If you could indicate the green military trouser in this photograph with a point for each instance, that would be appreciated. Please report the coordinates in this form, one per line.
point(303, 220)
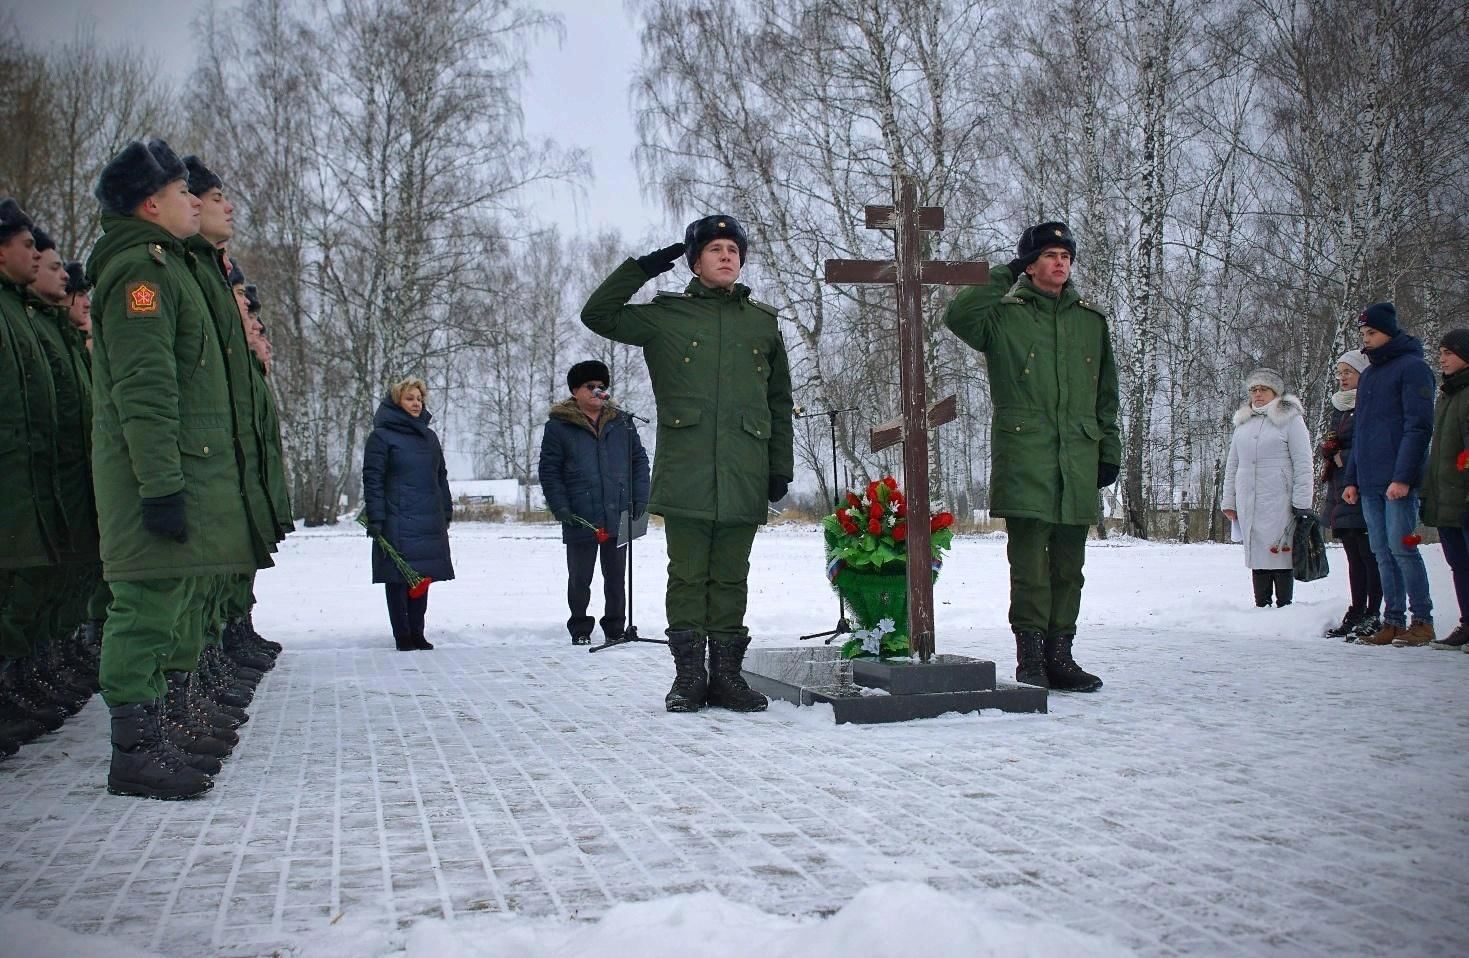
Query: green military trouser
point(194, 626)
point(239, 596)
point(708, 574)
point(13, 645)
point(144, 624)
point(1045, 575)
point(28, 614)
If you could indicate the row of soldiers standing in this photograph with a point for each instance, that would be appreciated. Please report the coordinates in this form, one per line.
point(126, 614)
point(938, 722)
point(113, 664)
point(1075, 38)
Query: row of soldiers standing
point(146, 484)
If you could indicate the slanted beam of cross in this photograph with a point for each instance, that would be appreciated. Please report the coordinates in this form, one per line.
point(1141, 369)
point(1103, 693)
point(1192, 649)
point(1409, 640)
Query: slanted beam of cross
point(908, 273)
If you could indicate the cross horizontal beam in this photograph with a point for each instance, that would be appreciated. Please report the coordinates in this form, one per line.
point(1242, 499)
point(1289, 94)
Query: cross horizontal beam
point(936, 272)
point(890, 433)
point(886, 217)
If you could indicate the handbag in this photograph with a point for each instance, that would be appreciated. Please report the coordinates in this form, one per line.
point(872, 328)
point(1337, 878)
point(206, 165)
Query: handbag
point(1308, 548)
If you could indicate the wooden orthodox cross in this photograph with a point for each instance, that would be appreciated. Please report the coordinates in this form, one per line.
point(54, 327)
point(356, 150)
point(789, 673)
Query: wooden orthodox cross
point(910, 274)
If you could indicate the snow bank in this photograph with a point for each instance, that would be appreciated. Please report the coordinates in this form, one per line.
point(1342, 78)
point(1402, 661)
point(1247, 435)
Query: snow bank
point(892, 919)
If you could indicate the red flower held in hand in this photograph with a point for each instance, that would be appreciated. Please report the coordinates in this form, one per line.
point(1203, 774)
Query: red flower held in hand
point(1412, 540)
point(420, 590)
point(603, 535)
point(1462, 463)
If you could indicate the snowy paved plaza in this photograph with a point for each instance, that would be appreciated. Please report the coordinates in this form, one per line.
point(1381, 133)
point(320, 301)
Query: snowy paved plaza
point(1243, 786)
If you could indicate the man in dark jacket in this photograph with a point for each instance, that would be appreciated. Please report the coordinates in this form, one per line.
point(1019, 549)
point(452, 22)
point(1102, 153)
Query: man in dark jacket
point(1055, 439)
point(1446, 482)
point(588, 450)
point(1394, 423)
point(723, 388)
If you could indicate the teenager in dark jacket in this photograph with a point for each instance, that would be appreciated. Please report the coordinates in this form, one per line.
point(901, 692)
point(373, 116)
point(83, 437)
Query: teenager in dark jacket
point(588, 450)
point(1446, 484)
point(1384, 471)
point(1345, 519)
point(406, 488)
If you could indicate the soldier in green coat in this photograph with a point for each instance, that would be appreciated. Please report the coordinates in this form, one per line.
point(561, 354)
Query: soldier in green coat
point(169, 503)
point(723, 390)
point(1054, 439)
point(1446, 481)
point(32, 531)
point(267, 417)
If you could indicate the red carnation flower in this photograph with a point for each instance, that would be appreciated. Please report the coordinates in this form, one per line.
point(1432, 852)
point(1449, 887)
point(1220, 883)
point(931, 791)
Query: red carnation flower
point(1274, 550)
point(941, 521)
point(1412, 540)
point(848, 526)
point(872, 491)
point(902, 510)
point(420, 590)
point(603, 535)
point(900, 532)
point(874, 527)
point(890, 482)
point(875, 512)
point(853, 501)
point(1462, 463)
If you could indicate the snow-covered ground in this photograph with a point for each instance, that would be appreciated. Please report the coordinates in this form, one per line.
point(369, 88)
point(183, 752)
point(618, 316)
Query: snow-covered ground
point(1242, 785)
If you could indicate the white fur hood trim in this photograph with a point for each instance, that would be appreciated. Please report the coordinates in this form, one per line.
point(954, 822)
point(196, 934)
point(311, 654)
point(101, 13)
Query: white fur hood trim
point(1280, 410)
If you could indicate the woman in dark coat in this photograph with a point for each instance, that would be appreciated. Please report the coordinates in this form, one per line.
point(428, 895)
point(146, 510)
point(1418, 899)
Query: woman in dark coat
point(406, 488)
point(587, 450)
point(1345, 519)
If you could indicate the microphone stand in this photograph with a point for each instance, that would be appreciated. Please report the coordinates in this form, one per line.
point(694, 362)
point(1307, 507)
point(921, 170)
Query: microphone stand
point(630, 633)
point(843, 626)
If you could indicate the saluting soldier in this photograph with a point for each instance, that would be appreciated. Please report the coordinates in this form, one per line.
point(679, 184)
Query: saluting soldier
point(1054, 439)
point(723, 389)
point(168, 487)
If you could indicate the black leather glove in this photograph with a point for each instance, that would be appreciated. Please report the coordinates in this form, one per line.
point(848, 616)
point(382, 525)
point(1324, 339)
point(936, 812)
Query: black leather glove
point(660, 261)
point(1106, 474)
point(374, 531)
point(1303, 513)
point(163, 516)
point(775, 490)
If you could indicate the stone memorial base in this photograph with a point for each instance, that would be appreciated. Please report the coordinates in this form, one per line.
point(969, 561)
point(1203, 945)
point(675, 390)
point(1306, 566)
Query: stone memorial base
point(867, 691)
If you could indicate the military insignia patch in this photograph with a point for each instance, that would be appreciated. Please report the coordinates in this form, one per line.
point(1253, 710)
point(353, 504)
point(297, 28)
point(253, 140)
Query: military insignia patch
point(156, 251)
point(142, 299)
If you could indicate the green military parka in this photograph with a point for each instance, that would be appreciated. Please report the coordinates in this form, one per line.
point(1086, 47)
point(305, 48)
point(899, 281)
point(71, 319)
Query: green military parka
point(66, 356)
point(1445, 486)
point(31, 529)
point(162, 419)
point(1053, 384)
point(723, 388)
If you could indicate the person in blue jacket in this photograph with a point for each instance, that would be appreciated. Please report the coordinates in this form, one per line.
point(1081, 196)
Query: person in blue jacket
point(405, 485)
point(588, 450)
point(1384, 472)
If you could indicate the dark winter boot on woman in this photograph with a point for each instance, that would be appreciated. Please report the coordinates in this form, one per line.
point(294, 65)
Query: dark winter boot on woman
point(1349, 622)
point(142, 763)
point(1264, 583)
point(691, 684)
point(727, 687)
point(1061, 669)
point(404, 643)
point(1030, 659)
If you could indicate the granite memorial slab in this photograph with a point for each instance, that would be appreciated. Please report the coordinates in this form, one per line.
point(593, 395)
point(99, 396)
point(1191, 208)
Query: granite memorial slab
point(867, 691)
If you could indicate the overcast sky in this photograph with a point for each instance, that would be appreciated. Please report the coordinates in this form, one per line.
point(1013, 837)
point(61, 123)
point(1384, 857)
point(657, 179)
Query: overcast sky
point(576, 93)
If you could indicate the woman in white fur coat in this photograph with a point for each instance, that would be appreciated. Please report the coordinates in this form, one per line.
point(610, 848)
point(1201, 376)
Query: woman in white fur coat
point(1267, 480)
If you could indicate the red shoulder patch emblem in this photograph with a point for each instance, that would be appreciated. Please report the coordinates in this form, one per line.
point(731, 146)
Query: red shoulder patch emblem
point(142, 299)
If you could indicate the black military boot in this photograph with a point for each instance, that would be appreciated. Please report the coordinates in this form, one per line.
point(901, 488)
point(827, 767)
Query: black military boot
point(1061, 669)
point(270, 648)
point(727, 687)
point(1030, 659)
point(1285, 586)
point(142, 764)
point(62, 675)
point(18, 729)
point(237, 646)
point(26, 701)
point(1263, 582)
point(35, 674)
point(180, 728)
point(200, 717)
point(691, 684)
point(83, 658)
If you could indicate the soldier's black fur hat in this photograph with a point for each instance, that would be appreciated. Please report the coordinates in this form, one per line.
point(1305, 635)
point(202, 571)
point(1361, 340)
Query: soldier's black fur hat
point(43, 239)
point(76, 278)
point(201, 178)
point(1034, 241)
point(137, 173)
point(252, 299)
point(236, 275)
point(700, 233)
point(13, 220)
point(588, 370)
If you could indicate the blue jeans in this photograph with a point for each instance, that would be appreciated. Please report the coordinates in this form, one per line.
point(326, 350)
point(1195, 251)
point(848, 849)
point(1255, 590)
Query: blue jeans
point(1404, 576)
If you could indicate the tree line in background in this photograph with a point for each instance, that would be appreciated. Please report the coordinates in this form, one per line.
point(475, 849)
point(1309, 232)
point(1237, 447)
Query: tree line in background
point(1242, 177)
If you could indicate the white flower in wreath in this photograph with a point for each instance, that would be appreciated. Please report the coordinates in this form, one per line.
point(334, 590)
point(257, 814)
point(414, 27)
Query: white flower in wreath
point(872, 638)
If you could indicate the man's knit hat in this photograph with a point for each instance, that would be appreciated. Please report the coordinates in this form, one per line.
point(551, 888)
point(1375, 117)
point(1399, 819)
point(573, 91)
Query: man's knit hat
point(1382, 317)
